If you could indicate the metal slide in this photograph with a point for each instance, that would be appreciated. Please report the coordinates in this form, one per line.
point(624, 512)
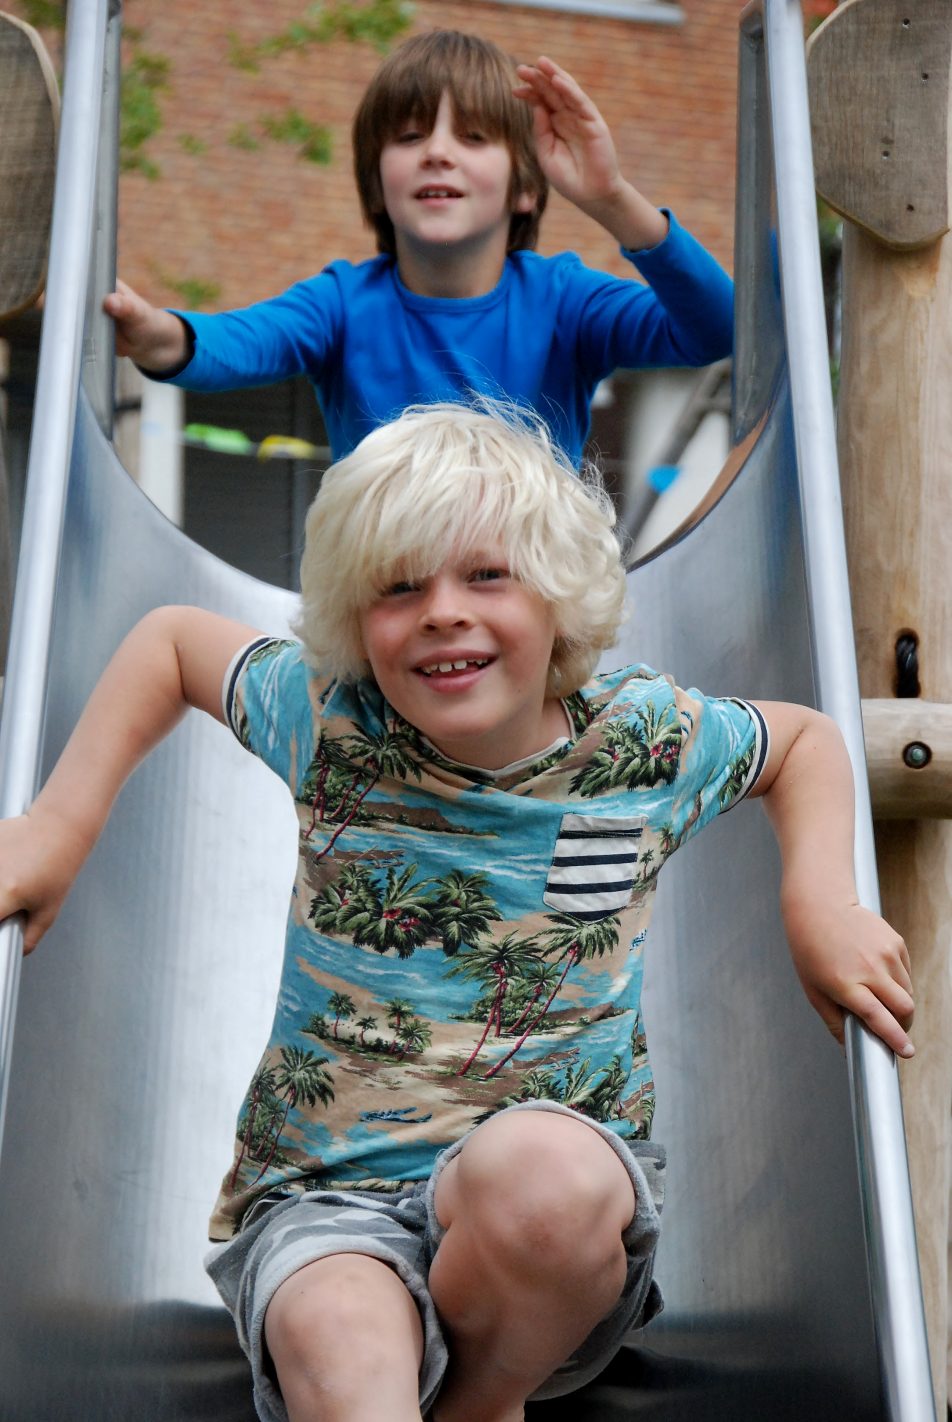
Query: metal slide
point(788, 1254)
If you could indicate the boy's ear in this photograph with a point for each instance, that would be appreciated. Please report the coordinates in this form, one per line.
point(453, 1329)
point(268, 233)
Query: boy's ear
point(525, 202)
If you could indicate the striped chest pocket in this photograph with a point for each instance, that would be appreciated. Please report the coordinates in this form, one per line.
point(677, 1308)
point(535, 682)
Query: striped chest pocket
point(593, 866)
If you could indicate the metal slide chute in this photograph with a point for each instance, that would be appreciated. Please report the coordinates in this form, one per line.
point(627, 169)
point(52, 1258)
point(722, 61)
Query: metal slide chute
point(788, 1259)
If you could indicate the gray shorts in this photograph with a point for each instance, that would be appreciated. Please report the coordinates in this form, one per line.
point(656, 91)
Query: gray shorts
point(282, 1234)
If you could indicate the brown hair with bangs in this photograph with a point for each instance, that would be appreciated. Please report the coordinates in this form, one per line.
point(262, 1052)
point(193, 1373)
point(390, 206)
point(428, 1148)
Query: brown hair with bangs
point(408, 87)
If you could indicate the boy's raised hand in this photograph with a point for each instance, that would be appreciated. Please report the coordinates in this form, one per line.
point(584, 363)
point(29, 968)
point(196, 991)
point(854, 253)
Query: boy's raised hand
point(153, 338)
point(575, 148)
point(577, 154)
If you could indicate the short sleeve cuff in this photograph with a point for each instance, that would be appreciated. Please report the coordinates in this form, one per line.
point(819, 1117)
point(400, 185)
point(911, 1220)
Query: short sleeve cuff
point(231, 678)
point(761, 748)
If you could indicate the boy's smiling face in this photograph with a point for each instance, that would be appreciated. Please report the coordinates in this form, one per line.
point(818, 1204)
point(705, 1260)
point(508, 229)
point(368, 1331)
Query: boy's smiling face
point(464, 656)
point(448, 191)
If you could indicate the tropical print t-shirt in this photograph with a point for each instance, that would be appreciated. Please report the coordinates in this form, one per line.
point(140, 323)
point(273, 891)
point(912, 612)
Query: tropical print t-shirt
point(459, 941)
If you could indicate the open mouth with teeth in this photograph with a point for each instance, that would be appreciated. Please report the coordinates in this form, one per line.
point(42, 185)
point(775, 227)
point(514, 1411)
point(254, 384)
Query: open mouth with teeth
point(438, 193)
point(448, 668)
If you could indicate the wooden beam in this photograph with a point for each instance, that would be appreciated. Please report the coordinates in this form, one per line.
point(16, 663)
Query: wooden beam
point(909, 758)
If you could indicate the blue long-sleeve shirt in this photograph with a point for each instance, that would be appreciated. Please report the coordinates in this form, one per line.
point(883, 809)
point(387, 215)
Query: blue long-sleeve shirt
point(543, 337)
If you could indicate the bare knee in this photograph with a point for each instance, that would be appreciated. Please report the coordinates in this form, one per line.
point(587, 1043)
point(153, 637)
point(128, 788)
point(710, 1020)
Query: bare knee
point(541, 1190)
point(339, 1310)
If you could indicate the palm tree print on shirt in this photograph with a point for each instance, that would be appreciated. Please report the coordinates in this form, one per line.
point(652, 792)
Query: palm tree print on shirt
point(261, 1092)
point(633, 754)
point(299, 1076)
point(462, 909)
point(592, 1091)
point(493, 963)
point(342, 1005)
point(397, 1009)
point(348, 906)
point(364, 1025)
point(735, 782)
point(344, 771)
point(574, 939)
point(414, 1036)
point(403, 921)
point(400, 915)
point(536, 979)
point(457, 912)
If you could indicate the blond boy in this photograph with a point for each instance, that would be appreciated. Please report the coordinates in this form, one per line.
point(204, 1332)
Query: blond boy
point(444, 1198)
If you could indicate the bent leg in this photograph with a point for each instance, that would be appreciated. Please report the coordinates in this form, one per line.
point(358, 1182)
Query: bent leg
point(346, 1341)
point(534, 1207)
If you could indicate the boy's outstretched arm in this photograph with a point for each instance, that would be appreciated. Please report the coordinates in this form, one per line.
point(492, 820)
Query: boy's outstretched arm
point(153, 338)
point(174, 658)
point(577, 154)
point(848, 958)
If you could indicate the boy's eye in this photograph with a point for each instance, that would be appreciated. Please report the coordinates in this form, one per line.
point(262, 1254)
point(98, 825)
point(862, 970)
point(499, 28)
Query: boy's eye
point(488, 575)
point(409, 135)
point(400, 586)
point(474, 136)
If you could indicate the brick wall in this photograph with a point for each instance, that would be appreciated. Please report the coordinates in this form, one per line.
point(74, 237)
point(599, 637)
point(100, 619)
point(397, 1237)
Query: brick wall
point(252, 222)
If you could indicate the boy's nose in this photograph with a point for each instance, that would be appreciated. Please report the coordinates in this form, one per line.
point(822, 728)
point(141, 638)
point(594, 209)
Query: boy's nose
point(442, 136)
point(444, 606)
point(438, 149)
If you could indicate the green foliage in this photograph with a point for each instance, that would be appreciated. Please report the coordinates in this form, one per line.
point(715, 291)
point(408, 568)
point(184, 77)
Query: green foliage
point(144, 77)
point(43, 14)
point(242, 137)
point(194, 292)
point(312, 140)
point(375, 22)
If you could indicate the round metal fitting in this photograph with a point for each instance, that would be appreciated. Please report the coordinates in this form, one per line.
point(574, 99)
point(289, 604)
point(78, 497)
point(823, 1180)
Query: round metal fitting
point(917, 755)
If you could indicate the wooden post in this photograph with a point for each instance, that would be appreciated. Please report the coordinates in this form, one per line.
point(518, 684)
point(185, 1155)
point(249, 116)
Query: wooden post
point(879, 79)
point(29, 112)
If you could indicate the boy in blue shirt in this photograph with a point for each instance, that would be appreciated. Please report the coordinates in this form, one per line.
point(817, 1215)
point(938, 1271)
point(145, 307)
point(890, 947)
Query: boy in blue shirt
point(454, 149)
point(414, 1221)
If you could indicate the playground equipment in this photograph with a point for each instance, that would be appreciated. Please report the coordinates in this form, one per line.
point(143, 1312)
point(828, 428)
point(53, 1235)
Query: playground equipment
point(788, 1255)
point(29, 109)
point(879, 75)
